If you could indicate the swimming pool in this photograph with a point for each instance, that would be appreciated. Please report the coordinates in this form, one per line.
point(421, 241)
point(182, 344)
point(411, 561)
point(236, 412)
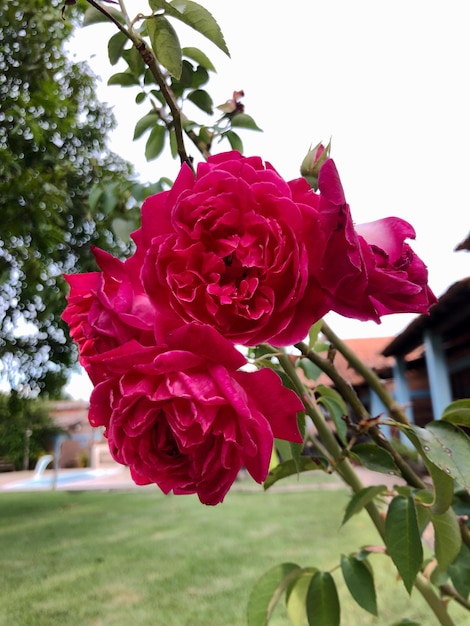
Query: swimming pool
point(64, 477)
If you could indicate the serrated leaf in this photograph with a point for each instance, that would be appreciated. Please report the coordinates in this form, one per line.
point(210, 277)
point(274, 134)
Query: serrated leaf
point(296, 597)
point(322, 601)
point(148, 121)
point(93, 16)
point(403, 540)
point(336, 407)
point(234, 141)
point(360, 582)
point(116, 46)
point(448, 447)
point(197, 55)
point(165, 44)
point(267, 592)
point(195, 16)
point(447, 538)
point(459, 572)
point(242, 120)
point(124, 79)
point(374, 458)
point(155, 143)
point(360, 499)
point(443, 483)
point(291, 467)
point(458, 413)
point(201, 99)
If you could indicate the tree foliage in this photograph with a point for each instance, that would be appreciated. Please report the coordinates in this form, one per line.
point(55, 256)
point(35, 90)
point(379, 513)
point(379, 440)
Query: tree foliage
point(26, 430)
point(53, 155)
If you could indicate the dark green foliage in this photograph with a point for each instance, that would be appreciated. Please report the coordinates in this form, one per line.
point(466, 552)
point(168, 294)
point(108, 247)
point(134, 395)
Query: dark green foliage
point(53, 134)
point(26, 430)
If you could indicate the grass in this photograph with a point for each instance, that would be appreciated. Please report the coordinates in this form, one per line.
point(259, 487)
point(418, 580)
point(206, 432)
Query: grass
point(143, 559)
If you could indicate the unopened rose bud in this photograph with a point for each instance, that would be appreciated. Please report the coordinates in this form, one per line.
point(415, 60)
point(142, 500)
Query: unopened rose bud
point(312, 163)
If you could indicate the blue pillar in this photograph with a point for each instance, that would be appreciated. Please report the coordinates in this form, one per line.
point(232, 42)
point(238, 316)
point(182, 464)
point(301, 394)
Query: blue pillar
point(402, 391)
point(376, 408)
point(438, 373)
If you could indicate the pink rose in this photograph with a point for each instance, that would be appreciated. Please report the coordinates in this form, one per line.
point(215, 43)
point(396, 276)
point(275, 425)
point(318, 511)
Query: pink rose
point(108, 308)
point(237, 248)
point(184, 417)
point(397, 278)
point(368, 270)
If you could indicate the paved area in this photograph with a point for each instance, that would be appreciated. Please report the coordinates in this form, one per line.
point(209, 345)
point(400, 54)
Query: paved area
point(118, 478)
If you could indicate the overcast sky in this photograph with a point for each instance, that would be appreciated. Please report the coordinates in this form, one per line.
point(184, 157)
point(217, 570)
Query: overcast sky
point(386, 81)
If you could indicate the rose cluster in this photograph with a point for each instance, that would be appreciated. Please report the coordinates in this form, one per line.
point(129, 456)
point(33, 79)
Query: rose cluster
point(232, 255)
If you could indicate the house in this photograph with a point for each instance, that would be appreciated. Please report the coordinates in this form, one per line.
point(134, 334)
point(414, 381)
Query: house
point(432, 356)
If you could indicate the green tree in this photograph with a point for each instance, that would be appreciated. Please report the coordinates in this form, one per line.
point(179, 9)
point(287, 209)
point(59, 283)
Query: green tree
point(61, 189)
point(26, 430)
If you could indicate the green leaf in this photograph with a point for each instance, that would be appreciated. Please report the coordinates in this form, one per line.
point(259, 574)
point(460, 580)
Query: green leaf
point(360, 582)
point(322, 601)
point(234, 141)
point(124, 79)
point(296, 597)
point(403, 540)
point(313, 333)
point(448, 447)
point(360, 499)
point(148, 121)
point(311, 371)
point(458, 413)
point(406, 622)
point(442, 482)
point(336, 407)
point(165, 44)
point(267, 592)
point(195, 16)
point(134, 60)
point(116, 46)
point(140, 97)
point(374, 458)
point(242, 120)
point(292, 467)
point(447, 538)
point(459, 572)
point(123, 228)
point(155, 143)
point(201, 99)
point(197, 55)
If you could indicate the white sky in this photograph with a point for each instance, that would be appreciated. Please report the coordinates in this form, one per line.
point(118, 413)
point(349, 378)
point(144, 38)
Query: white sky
point(386, 80)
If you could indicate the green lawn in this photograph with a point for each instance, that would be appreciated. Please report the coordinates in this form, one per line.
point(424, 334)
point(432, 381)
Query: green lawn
point(143, 559)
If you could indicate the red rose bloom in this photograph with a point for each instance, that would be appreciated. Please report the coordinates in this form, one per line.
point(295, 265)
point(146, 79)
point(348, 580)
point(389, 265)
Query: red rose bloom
point(184, 417)
point(235, 247)
point(368, 270)
point(106, 309)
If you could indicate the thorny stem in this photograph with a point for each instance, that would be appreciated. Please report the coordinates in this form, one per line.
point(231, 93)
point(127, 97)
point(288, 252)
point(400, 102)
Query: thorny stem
point(396, 411)
point(349, 476)
point(348, 393)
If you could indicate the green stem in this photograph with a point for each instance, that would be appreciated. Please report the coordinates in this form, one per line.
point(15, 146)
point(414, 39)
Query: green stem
point(349, 394)
point(374, 382)
point(349, 476)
